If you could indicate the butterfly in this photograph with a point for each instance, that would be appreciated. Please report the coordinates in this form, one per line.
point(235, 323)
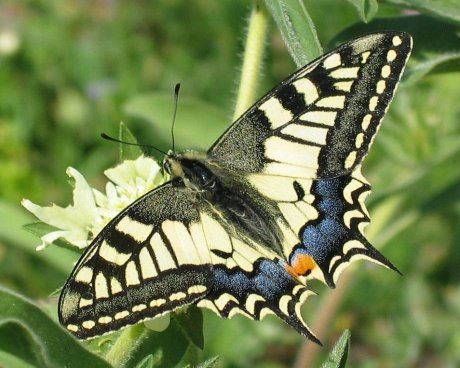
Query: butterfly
point(278, 199)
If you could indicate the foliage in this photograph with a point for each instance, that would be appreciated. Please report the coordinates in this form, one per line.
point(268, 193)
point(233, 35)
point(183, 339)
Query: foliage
point(71, 70)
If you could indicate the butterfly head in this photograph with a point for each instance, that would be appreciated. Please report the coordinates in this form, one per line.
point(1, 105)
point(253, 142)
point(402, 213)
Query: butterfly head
point(191, 168)
point(172, 164)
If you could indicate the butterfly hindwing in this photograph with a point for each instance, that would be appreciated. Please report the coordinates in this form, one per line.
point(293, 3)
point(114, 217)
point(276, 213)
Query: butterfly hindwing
point(151, 259)
point(319, 122)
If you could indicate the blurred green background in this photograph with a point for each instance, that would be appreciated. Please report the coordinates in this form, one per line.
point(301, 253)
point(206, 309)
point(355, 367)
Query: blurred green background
point(70, 70)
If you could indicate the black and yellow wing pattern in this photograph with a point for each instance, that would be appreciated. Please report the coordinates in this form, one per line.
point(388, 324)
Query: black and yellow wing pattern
point(278, 199)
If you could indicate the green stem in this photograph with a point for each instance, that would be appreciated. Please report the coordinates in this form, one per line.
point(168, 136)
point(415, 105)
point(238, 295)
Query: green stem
point(252, 59)
point(125, 345)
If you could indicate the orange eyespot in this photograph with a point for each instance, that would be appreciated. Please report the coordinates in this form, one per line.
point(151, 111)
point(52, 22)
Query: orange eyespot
point(302, 265)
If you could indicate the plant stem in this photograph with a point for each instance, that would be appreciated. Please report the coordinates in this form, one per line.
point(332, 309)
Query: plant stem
point(125, 345)
point(252, 59)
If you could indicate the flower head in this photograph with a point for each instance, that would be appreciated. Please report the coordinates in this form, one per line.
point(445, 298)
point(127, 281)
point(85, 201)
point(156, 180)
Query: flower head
point(91, 210)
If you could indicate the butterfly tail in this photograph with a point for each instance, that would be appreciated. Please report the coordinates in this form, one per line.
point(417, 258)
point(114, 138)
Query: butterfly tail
point(336, 238)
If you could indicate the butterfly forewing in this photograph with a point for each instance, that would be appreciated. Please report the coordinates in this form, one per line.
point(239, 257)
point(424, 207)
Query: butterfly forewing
point(320, 122)
point(151, 259)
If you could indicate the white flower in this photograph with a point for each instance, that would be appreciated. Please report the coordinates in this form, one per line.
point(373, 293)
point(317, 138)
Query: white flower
point(91, 210)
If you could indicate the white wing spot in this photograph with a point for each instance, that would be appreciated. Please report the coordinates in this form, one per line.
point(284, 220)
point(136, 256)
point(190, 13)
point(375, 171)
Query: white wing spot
point(275, 112)
point(196, 289)
point(121, 315)
point(307, 133)
point(343, 86)
point(115, 286)
point(131, 274)
point(308, 89)
point(84, 275)
point(350, 160)
point(148, 269)
point(135, 229)
point(72, 328)
point(199, 242)
point(224, 299)
point(162, 254)
point(397, 41)
point(157, 302)
point(391, 55)
point(349, 215)
point(252, 300)
point(359, 140)
point(386, 71)
point(88, 324)
point(182, 241)
point(293, 153)
point(216, 236)
point(110, 254)
point(308, 210)
point(349, 189)
point(100, 286)
point(294, 217)
point(332, 102)
point(105, 319)
point(275, 168)
point(320, 117)
point(366, 121)
point(284, 304)
point(352, 244)
point(177, 296)
point(85, 302)
point(381, 84)
point(332, 61)
point(139, 308)
point(364, 56)
point(373, 103)
point(277, 188)
point(345, 73)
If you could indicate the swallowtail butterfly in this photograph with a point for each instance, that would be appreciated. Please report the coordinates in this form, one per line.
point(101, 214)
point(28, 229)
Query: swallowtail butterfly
point(278, 199)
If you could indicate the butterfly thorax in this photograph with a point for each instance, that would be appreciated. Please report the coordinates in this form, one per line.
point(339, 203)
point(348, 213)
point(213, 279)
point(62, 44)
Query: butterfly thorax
point(231, 201)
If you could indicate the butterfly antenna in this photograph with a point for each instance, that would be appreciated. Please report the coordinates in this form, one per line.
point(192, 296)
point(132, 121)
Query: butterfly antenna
point(109, 138)
point(176, 97)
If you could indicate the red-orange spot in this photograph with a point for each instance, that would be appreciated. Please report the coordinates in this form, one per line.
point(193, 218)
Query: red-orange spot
point(302, 265)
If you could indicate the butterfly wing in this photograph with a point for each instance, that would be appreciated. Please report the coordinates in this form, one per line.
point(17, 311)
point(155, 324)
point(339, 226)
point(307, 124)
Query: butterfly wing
point(320, 121)
point(152, 258)
point(302, 144)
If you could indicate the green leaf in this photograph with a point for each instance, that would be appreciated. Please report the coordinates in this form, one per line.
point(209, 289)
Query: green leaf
point(366, 8)
point(338, 356)
point(297, 29)
point(196, 120)
point(191, 323)
point(167, 347)
point(210, 363)
point(447, 9)
point(436, 43)
point(27, 333)
point(128, 152)
point(150, 361)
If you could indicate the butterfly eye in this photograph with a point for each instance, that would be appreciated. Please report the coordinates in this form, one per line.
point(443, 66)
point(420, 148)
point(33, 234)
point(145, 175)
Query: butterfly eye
point(167, 167)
